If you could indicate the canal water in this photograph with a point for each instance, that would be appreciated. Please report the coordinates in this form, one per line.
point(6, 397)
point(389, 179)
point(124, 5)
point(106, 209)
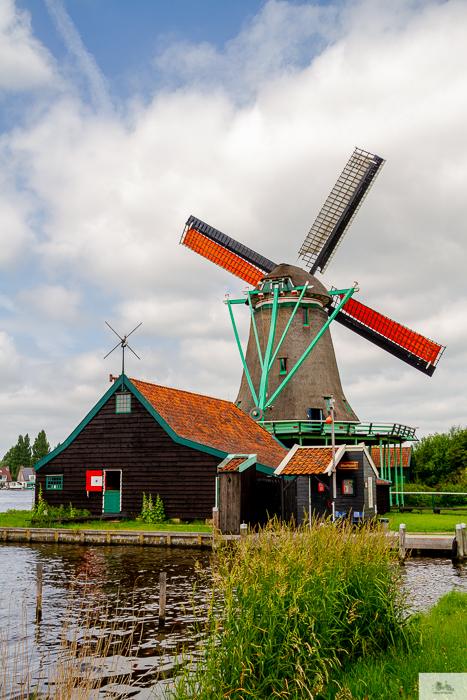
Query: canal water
point(125, 579)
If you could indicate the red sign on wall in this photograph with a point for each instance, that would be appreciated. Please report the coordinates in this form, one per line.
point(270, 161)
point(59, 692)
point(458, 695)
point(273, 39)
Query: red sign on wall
point(94, 481)
point(320, 487)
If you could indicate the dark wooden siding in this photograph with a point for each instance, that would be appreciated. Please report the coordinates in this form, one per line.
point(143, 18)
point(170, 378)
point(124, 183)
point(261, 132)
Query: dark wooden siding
point(360, 501)
point(148, 457)
point(319, 499)
point(382, 498)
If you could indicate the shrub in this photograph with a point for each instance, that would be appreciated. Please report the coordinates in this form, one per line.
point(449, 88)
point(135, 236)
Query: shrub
point(43, 513)
point(152, 512)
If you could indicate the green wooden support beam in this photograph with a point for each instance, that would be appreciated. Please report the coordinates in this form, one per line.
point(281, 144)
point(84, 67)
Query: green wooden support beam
point(252, 313)
point(267, 355)
point(323, 330)
point(250, 383)
point(292, 315)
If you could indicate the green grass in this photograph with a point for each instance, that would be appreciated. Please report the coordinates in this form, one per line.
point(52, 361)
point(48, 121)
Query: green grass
point(438, 645)
point(426, 521)
point(319, 615)
point(291, 607)
point(22, 518)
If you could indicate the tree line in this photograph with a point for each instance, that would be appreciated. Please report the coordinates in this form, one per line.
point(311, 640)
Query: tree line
point(441, 458)
point(23, 454)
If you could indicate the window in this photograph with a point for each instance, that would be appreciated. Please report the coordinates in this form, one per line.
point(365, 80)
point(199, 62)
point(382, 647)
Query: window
point(54, 483)
point(306, 317)
point(123, 404)
point(283, 365)
point(348, 487)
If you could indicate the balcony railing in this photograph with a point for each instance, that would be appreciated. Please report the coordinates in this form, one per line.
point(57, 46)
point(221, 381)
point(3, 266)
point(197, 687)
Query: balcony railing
point(341, 428)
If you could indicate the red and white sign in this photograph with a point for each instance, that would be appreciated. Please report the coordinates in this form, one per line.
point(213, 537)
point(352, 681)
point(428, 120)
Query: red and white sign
point(94, 481)
point(320, 487)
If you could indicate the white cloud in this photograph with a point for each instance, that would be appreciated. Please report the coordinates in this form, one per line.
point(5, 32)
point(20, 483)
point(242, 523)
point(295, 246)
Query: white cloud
point(86, 62)
point(52, 302)
point(251, 141)
point(24, 62)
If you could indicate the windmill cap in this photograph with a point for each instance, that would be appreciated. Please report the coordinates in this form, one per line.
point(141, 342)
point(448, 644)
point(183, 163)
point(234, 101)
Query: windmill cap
point(299, 277)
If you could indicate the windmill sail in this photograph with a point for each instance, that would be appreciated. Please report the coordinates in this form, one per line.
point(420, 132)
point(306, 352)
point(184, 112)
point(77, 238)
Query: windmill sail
point(408, 346)
point(340, 209)
point(225, 251)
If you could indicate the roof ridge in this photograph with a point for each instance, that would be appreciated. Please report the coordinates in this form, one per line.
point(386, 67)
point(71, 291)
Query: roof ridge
point(183, 391)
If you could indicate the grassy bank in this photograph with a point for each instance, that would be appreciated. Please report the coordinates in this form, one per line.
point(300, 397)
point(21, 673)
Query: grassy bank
point(438, 645)
point(22, 518)
point(291, 608)
point(427, 522)
point(319, 615)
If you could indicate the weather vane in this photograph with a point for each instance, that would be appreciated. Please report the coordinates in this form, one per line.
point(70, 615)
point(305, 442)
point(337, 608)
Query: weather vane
point(123, 344)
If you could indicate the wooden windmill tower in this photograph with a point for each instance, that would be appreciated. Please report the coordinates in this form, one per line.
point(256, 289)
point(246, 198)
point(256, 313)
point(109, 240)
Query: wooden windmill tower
point(289, 368)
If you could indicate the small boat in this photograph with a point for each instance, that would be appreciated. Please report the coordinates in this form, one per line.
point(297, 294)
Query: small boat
point(16, 485)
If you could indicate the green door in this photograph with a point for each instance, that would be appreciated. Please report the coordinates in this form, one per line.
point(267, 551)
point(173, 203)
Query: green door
point(112, 502)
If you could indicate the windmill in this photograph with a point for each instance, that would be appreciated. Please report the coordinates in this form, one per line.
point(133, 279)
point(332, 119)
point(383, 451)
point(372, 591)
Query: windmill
point(289, 368)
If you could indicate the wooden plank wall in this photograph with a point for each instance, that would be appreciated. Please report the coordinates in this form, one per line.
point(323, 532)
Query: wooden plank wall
point(149, 459)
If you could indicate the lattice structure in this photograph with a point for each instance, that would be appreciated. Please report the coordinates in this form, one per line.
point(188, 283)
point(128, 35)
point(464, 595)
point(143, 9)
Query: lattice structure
point(362, 317)
point(340, 208)
point(221, 256)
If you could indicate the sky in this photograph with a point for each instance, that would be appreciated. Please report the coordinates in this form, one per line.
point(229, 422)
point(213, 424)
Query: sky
point(118, 120)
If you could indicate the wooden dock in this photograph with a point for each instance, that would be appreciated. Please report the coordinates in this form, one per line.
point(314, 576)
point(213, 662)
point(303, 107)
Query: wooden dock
point(149, 538)
point(454, 545)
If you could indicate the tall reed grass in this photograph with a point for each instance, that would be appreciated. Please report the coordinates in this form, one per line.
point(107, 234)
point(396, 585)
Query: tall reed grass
point(92, 655)
point(292, 607)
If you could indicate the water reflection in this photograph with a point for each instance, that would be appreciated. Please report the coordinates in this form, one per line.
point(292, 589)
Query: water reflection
point(126, 578)
point(427, 579)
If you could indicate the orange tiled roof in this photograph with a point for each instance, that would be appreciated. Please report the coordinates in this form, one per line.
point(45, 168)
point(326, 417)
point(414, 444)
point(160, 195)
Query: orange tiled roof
point(383, 482)
point(309, 460)
point(405, 456)
point(233, 465)
point(212, 422)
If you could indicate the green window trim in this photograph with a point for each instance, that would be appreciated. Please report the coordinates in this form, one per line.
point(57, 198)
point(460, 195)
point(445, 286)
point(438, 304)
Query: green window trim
point(282, 365)
point(347, 407)
point(123, 402)
point(305, 317)
point(54, 483)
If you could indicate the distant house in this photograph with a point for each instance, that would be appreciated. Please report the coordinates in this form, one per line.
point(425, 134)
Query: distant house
point(142, 437)
point(350, 490)
point(26, 477)
point(5, 476)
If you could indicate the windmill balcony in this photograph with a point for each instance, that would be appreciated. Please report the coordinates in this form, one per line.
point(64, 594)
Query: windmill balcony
point(345, 431)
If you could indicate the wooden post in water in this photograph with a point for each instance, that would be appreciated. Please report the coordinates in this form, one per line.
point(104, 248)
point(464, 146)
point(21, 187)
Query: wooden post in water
point(460, 542)
point(39, 593)
point(402, 540)
point(464, 538)
point(162, 598)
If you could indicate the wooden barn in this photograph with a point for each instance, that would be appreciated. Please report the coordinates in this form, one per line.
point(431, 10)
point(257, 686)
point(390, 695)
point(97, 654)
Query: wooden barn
point(350, 491)
point(141, 437)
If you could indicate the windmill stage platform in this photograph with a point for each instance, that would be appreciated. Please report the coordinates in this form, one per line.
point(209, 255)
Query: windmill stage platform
point(346, 432)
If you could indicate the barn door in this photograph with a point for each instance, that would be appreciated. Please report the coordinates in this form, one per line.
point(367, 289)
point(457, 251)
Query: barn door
point(112, 491)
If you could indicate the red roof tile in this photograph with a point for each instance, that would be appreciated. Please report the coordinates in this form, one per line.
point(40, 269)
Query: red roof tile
point(212, 422)
point(6, 472)
point(233, 464)
point(405, 456)
point(309, 460)
point(383, 482)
